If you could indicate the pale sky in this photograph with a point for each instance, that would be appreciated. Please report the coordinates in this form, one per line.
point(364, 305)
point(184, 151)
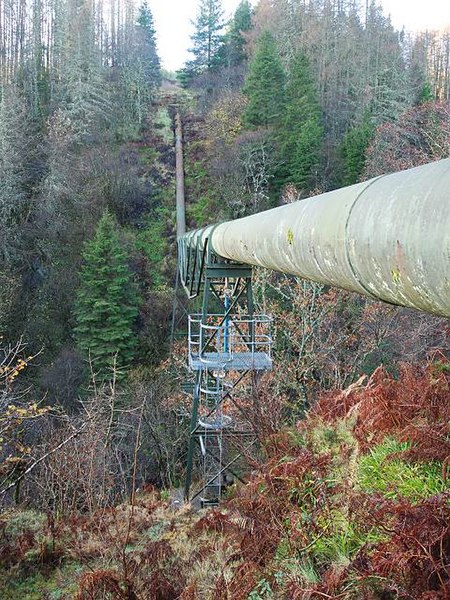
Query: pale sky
point(173, 22)
point(418, 15)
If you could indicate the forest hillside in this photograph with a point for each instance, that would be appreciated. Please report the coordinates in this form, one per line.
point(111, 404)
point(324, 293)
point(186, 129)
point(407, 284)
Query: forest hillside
point(347, 495)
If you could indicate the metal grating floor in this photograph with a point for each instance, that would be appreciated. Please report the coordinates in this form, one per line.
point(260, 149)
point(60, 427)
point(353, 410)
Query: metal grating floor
point(238, 361)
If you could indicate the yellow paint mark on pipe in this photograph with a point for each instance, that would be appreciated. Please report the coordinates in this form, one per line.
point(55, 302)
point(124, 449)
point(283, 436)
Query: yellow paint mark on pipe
point(395, 274)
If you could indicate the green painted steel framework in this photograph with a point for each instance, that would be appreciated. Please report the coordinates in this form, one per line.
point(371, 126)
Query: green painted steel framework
point(229, 345)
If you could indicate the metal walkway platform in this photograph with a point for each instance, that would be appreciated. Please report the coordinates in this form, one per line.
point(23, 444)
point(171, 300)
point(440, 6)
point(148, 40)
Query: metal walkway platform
point(238, 361)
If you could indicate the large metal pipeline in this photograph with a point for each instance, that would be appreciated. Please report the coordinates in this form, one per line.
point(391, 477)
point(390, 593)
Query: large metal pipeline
point(179, 161)
point(387, 238)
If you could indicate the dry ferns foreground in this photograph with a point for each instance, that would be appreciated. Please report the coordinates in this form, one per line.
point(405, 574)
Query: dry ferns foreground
point(353, 503)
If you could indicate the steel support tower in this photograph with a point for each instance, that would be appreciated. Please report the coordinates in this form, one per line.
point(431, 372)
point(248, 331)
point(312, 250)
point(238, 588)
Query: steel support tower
point(228, 346)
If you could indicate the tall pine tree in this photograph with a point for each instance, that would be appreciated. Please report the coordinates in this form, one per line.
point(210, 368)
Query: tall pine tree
point(264, 87)
point(301, 132)
point(106, 303)
point(207, 37)
point(232, 53)
point(82, 84)
point(147, 45)
point(139, 70)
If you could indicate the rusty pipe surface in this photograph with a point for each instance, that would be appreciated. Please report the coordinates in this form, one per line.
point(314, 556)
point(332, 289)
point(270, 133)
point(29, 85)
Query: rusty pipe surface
point(387, 238)
point(181, 211)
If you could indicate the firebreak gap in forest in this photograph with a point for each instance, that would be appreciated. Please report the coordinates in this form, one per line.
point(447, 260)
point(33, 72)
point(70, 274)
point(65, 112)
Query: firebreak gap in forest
point(347, 496)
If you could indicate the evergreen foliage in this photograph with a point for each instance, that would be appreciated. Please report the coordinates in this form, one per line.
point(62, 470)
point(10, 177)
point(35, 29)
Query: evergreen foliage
point(207, 37)
point(241, 23)
point(264, 87)
point(147, 38)
point(84, 92)
point(353, 150)
point(106, 303)
point(425, 94)
point(232, 52)
point(16, 170)
point(139, 69)
point(301, 131)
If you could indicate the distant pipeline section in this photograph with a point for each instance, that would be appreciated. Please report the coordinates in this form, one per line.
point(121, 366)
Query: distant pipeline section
point(387, 238)
point(179, 166)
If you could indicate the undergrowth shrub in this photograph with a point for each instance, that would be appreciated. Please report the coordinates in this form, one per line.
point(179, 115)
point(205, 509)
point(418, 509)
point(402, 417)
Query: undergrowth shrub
point(414, 408)
point(20, 533)
point(383, 470)
point(343, 538)
point(414, 559)
point(354, 504)
point(101, 584)
point(351, 504)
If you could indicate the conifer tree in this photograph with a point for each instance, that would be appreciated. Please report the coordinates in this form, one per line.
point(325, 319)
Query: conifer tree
point(234, 47)
point(425, 94)
point(139, 69)
point(17, 159)
point(301, 132)
point(147, 38)
point(84, 90)
point(207, 37)
point(353, 150)
point(264, 87)
point(107, 302)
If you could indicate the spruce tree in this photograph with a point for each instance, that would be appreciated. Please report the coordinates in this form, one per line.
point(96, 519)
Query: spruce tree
point(81, 75)
point(425, 94)
point(264, 87)
point(106, 303)
point(147, 38)
point(301, 132)
point(207, 37)
point(353, 150)
point(139, 70)
point(233, 49)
